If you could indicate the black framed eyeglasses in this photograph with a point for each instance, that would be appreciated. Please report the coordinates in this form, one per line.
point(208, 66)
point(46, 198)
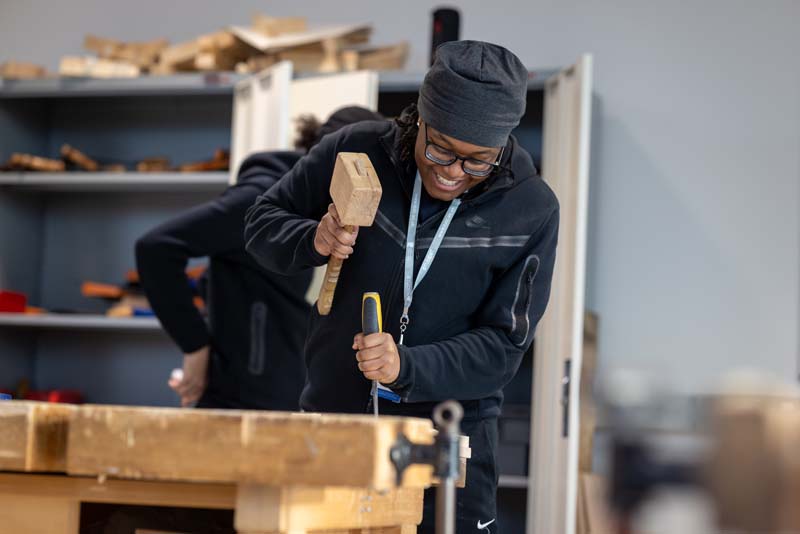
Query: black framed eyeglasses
point(444, 157)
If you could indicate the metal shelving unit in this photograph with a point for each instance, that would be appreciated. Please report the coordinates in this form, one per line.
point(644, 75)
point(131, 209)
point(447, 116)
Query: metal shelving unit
point(116, 181)
point(79, 322)
point(212, 83)
point(178, 84)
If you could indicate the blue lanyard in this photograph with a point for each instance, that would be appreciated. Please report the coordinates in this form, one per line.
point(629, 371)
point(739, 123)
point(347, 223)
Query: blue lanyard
point(409, 284)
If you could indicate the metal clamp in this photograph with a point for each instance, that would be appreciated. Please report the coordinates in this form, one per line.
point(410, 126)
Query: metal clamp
point(442, 455)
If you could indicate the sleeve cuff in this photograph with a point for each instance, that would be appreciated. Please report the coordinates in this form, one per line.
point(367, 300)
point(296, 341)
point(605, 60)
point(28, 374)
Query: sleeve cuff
point(316, 259)
point(191, 337)
point(190, 346)
point(405, 379)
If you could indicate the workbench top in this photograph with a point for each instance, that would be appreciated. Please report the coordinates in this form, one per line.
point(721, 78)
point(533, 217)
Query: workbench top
point(175, 444)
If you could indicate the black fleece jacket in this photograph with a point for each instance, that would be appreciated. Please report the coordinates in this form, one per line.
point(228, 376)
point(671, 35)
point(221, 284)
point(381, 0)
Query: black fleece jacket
point(256, 318)
point(475, 313)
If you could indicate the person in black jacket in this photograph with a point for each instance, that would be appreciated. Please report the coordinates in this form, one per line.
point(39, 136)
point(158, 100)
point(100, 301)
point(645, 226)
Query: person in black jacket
point(248, 356)
point(456, 327)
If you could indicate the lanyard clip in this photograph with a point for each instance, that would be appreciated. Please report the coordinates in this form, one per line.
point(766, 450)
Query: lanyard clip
point(404, 320)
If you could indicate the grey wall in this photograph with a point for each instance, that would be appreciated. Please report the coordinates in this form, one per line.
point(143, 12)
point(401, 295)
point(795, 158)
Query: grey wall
point(693, 260)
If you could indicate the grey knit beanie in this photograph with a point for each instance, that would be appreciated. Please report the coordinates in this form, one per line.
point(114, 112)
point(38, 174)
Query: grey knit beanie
point(474, 92)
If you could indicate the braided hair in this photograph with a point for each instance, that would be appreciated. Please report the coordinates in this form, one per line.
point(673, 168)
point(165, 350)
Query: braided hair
point(407, 121)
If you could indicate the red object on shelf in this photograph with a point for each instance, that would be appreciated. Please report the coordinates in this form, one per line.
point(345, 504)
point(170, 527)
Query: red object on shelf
point(12, 302)
point(69, 396)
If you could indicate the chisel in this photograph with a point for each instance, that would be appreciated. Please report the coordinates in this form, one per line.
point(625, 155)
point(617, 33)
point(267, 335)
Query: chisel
point(372, 323)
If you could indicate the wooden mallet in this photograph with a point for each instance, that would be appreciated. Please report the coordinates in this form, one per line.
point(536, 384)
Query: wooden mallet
point(356, 193)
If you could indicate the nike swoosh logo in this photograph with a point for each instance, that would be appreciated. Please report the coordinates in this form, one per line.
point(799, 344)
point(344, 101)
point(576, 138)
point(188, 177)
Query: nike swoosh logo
point(477, 222)
point(482, 526)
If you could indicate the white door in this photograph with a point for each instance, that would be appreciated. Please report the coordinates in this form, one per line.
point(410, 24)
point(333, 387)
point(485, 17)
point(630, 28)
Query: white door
point(267, 104)
point(260, 114)
point(322, 95)
point(552, 488)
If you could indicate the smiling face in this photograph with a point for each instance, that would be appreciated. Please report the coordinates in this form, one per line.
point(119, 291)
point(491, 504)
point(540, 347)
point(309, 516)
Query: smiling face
point(446, 182)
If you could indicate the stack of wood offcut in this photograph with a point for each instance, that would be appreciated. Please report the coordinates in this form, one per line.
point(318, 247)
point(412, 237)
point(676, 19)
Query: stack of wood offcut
point(244, 49)
point(20, 70)
point(219, 162)
point(114, 59)
point(73, 159)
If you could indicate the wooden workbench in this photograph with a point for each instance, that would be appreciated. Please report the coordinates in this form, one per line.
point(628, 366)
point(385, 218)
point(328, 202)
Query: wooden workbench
point(280, 472)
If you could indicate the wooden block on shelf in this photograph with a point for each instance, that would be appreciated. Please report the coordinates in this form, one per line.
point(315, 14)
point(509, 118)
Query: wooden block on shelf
point(113, 167)
point(349, 59)
point(347, 35)
point(161, 69)
point(134, 301)
point(177, 57)
point(92, 67)
point(324, 56)
point(73, 155)
point(220, 162)
point(33, 436)
point(274, 26)
point(141, 54)
point(304, 59)
point(105, 48)
point(221, 50)
point(330, 55)
point(217, 40)
point(206, 61)
point(105, 68)
point(30, 162)
point(102, 291)
point(120, 310)
point(391, 57)
point(77, 66)
point(357, 36)
point(270, 448)
point(215, 61)
point(157, 164)
point(289, 509)
point(22, 71)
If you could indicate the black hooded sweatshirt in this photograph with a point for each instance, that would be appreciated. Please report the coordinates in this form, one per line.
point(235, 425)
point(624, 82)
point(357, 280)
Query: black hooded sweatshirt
point(475, 313)
point(256, 318)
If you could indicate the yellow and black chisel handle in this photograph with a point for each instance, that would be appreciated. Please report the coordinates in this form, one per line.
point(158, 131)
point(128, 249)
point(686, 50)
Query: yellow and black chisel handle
point(371, 323)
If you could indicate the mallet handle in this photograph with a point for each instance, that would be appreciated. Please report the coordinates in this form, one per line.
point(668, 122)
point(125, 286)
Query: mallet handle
point(325, 300)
